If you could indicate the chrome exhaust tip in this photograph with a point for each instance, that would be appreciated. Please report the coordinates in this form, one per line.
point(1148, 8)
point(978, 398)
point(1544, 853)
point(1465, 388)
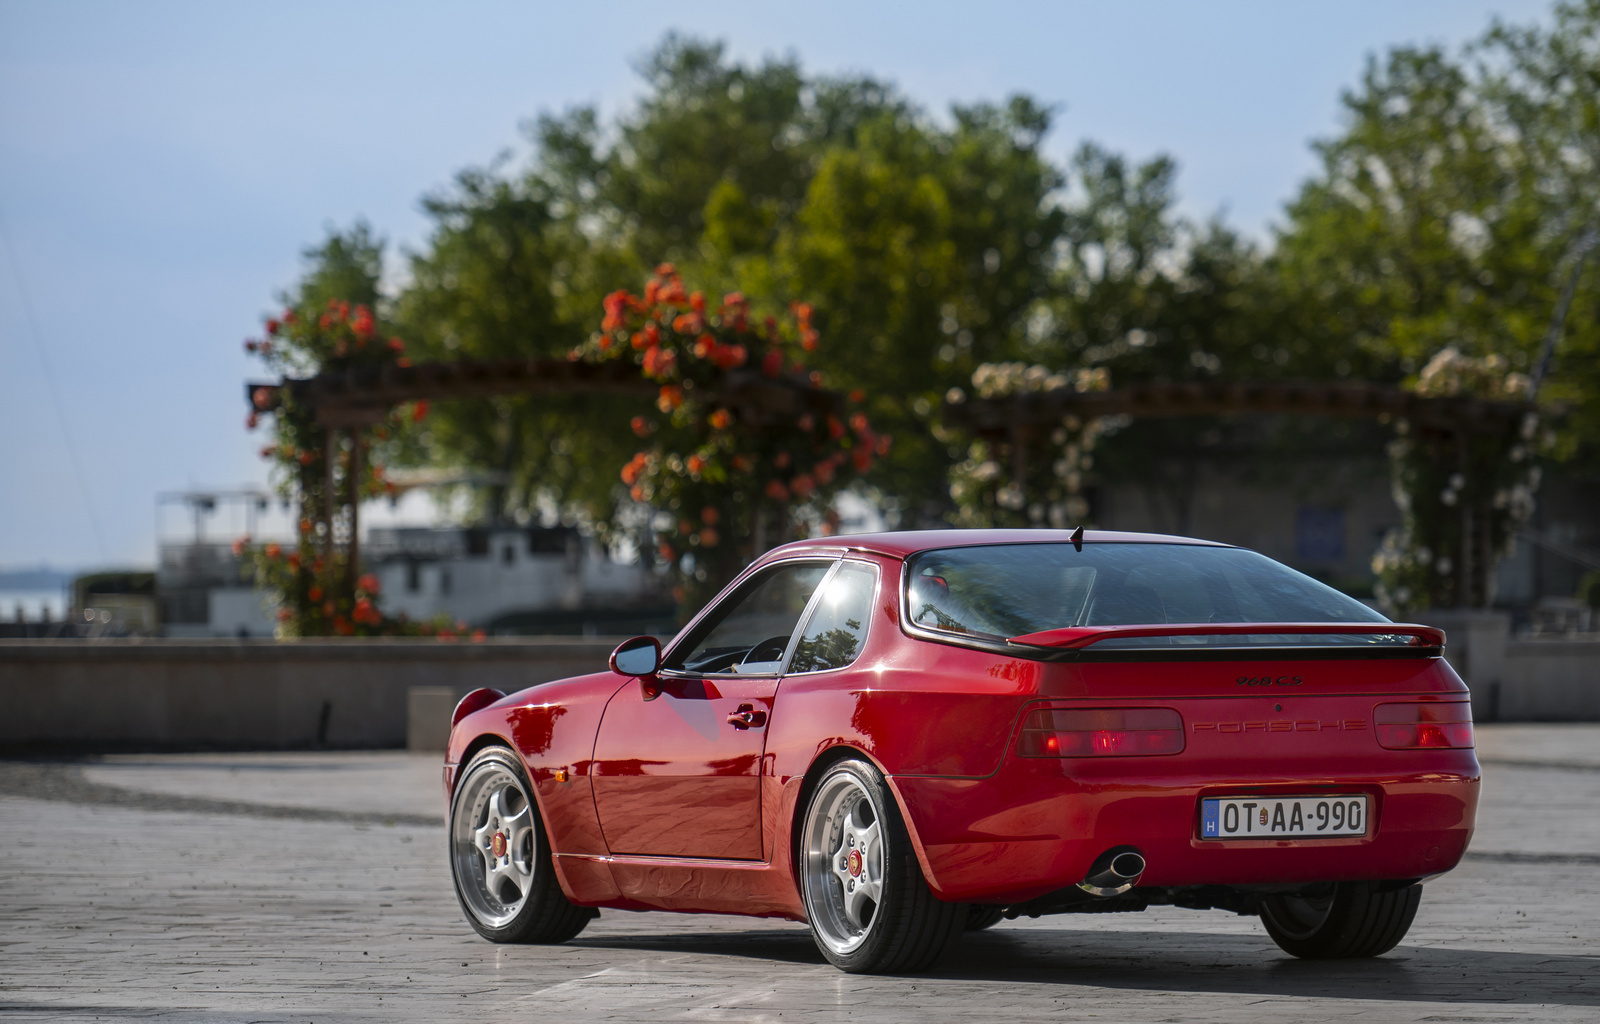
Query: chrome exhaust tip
point(1114, 872)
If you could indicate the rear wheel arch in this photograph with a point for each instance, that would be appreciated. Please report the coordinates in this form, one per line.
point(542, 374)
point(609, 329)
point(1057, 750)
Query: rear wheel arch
point(819, 767)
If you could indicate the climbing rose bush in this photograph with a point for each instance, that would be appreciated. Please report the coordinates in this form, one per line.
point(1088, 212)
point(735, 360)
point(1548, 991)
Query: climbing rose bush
point(309, 585)
point(721, 477)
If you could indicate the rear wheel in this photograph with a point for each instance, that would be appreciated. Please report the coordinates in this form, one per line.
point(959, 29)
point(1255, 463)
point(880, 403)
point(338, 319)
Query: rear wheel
point(980, 917)
point(870, 908)
point(1341, 920)
point(500, 859)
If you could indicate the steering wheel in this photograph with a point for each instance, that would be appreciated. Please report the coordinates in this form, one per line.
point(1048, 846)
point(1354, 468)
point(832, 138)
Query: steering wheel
point(770, 649)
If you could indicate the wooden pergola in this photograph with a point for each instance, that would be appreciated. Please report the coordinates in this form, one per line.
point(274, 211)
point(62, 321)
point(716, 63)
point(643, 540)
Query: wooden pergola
point(1024, 419)
point(347, 400)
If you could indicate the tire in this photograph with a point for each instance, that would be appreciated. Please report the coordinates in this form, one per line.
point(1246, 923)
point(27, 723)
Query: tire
point(868, 904)
point(980, 917)
point(513, 897)
point(1344, 921)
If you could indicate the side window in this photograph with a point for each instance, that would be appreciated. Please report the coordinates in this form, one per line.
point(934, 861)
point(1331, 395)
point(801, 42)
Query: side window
point(838, 627)
point(751, 629)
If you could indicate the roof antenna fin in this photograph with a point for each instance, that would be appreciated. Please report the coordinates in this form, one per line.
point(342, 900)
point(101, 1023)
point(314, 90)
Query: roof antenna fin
point(1077, 539)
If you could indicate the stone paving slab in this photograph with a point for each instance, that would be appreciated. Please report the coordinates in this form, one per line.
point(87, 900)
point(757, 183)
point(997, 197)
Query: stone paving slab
point(128, 907)
point(381, 782)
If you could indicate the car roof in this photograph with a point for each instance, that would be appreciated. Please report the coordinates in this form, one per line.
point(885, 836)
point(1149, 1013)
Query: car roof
point(908, 542)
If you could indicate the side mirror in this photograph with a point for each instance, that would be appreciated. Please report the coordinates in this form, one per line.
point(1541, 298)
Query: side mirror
point(640, 656)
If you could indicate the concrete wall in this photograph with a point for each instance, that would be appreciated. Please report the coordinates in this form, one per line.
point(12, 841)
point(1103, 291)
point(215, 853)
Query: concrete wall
point(255, 694)
point(1531, 680)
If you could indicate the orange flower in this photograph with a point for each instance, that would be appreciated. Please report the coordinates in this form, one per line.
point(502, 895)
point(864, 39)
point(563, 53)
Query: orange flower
point(685, 527)
point(808, 339)
point(710, 515)
point(695, 463)
point(803, 486)
point(658, 362)
point(835, 428)
point(704, 346)
point(666, 551)
point(238, 546)
point(273, 551)
point(369, 583)
point(722, 419)
point(708, 537)
point(671, 397)
point(478, 636)
point(728, 356)
point(616, 304)
point(306, 525)
point(641, 426)
point(776, 491)
point(859, 423)
point(772, 363)
point(666, 269)
point(823, 471)
point(314, 592)
point(635, 467)
point(697, 302)
point(858, 396)
point(733, 299)
point(885, 442)
point(294, 561)
point(419, 411)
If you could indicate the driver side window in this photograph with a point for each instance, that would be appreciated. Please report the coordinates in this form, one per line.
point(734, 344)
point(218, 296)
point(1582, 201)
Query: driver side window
point(751, 631)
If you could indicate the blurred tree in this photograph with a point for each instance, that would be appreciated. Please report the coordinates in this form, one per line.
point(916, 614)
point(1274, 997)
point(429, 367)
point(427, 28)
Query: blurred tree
point(490, 285)
point(924, 249)
point(1447, 212)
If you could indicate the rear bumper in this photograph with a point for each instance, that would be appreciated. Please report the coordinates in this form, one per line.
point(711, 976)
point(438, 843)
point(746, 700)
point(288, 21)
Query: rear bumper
point(1036, 825)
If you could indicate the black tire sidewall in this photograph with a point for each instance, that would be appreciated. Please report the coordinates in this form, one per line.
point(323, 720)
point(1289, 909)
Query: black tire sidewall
point(1365, 920)
point(903, 881)
point(518, 929)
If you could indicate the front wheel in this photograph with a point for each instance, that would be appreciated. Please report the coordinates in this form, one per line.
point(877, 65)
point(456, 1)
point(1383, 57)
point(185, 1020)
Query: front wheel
point(500, 858)
point(870, 908)
point(1342, 920)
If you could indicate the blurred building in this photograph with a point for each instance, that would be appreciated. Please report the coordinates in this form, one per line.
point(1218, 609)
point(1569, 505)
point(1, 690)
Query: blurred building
point(517, 580)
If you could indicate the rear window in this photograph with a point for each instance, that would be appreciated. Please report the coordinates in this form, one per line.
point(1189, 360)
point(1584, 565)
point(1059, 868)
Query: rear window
point(1007, 590)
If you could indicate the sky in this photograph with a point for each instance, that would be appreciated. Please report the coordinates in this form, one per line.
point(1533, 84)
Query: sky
point(163, 164)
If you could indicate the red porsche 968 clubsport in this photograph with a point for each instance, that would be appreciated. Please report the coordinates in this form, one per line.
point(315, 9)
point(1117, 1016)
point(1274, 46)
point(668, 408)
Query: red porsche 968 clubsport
point(896, 738)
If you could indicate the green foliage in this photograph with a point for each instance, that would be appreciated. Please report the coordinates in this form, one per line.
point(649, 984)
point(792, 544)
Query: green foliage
point(1589, 588)
point(1444, 214)
point(1442, 217)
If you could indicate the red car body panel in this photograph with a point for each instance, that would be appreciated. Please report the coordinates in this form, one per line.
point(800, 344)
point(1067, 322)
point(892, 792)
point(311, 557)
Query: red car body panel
point(664, 804)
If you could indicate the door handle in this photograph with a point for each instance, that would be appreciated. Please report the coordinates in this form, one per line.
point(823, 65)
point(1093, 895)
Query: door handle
point(747, 717)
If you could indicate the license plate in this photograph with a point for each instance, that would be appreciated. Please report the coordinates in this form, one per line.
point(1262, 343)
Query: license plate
point(1283, 817)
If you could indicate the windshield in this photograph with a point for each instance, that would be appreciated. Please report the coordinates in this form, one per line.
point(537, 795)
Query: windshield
point(1007, 590)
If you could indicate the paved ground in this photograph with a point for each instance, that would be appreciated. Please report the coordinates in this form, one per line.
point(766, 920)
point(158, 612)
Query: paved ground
point(311, 887)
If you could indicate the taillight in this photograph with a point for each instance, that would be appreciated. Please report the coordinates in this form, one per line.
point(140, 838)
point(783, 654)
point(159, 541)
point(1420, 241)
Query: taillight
point(1100, 732)
point(1423, 726)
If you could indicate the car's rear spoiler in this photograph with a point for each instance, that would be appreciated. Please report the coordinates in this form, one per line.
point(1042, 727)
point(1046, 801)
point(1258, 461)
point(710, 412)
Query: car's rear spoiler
point(1424, 641)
